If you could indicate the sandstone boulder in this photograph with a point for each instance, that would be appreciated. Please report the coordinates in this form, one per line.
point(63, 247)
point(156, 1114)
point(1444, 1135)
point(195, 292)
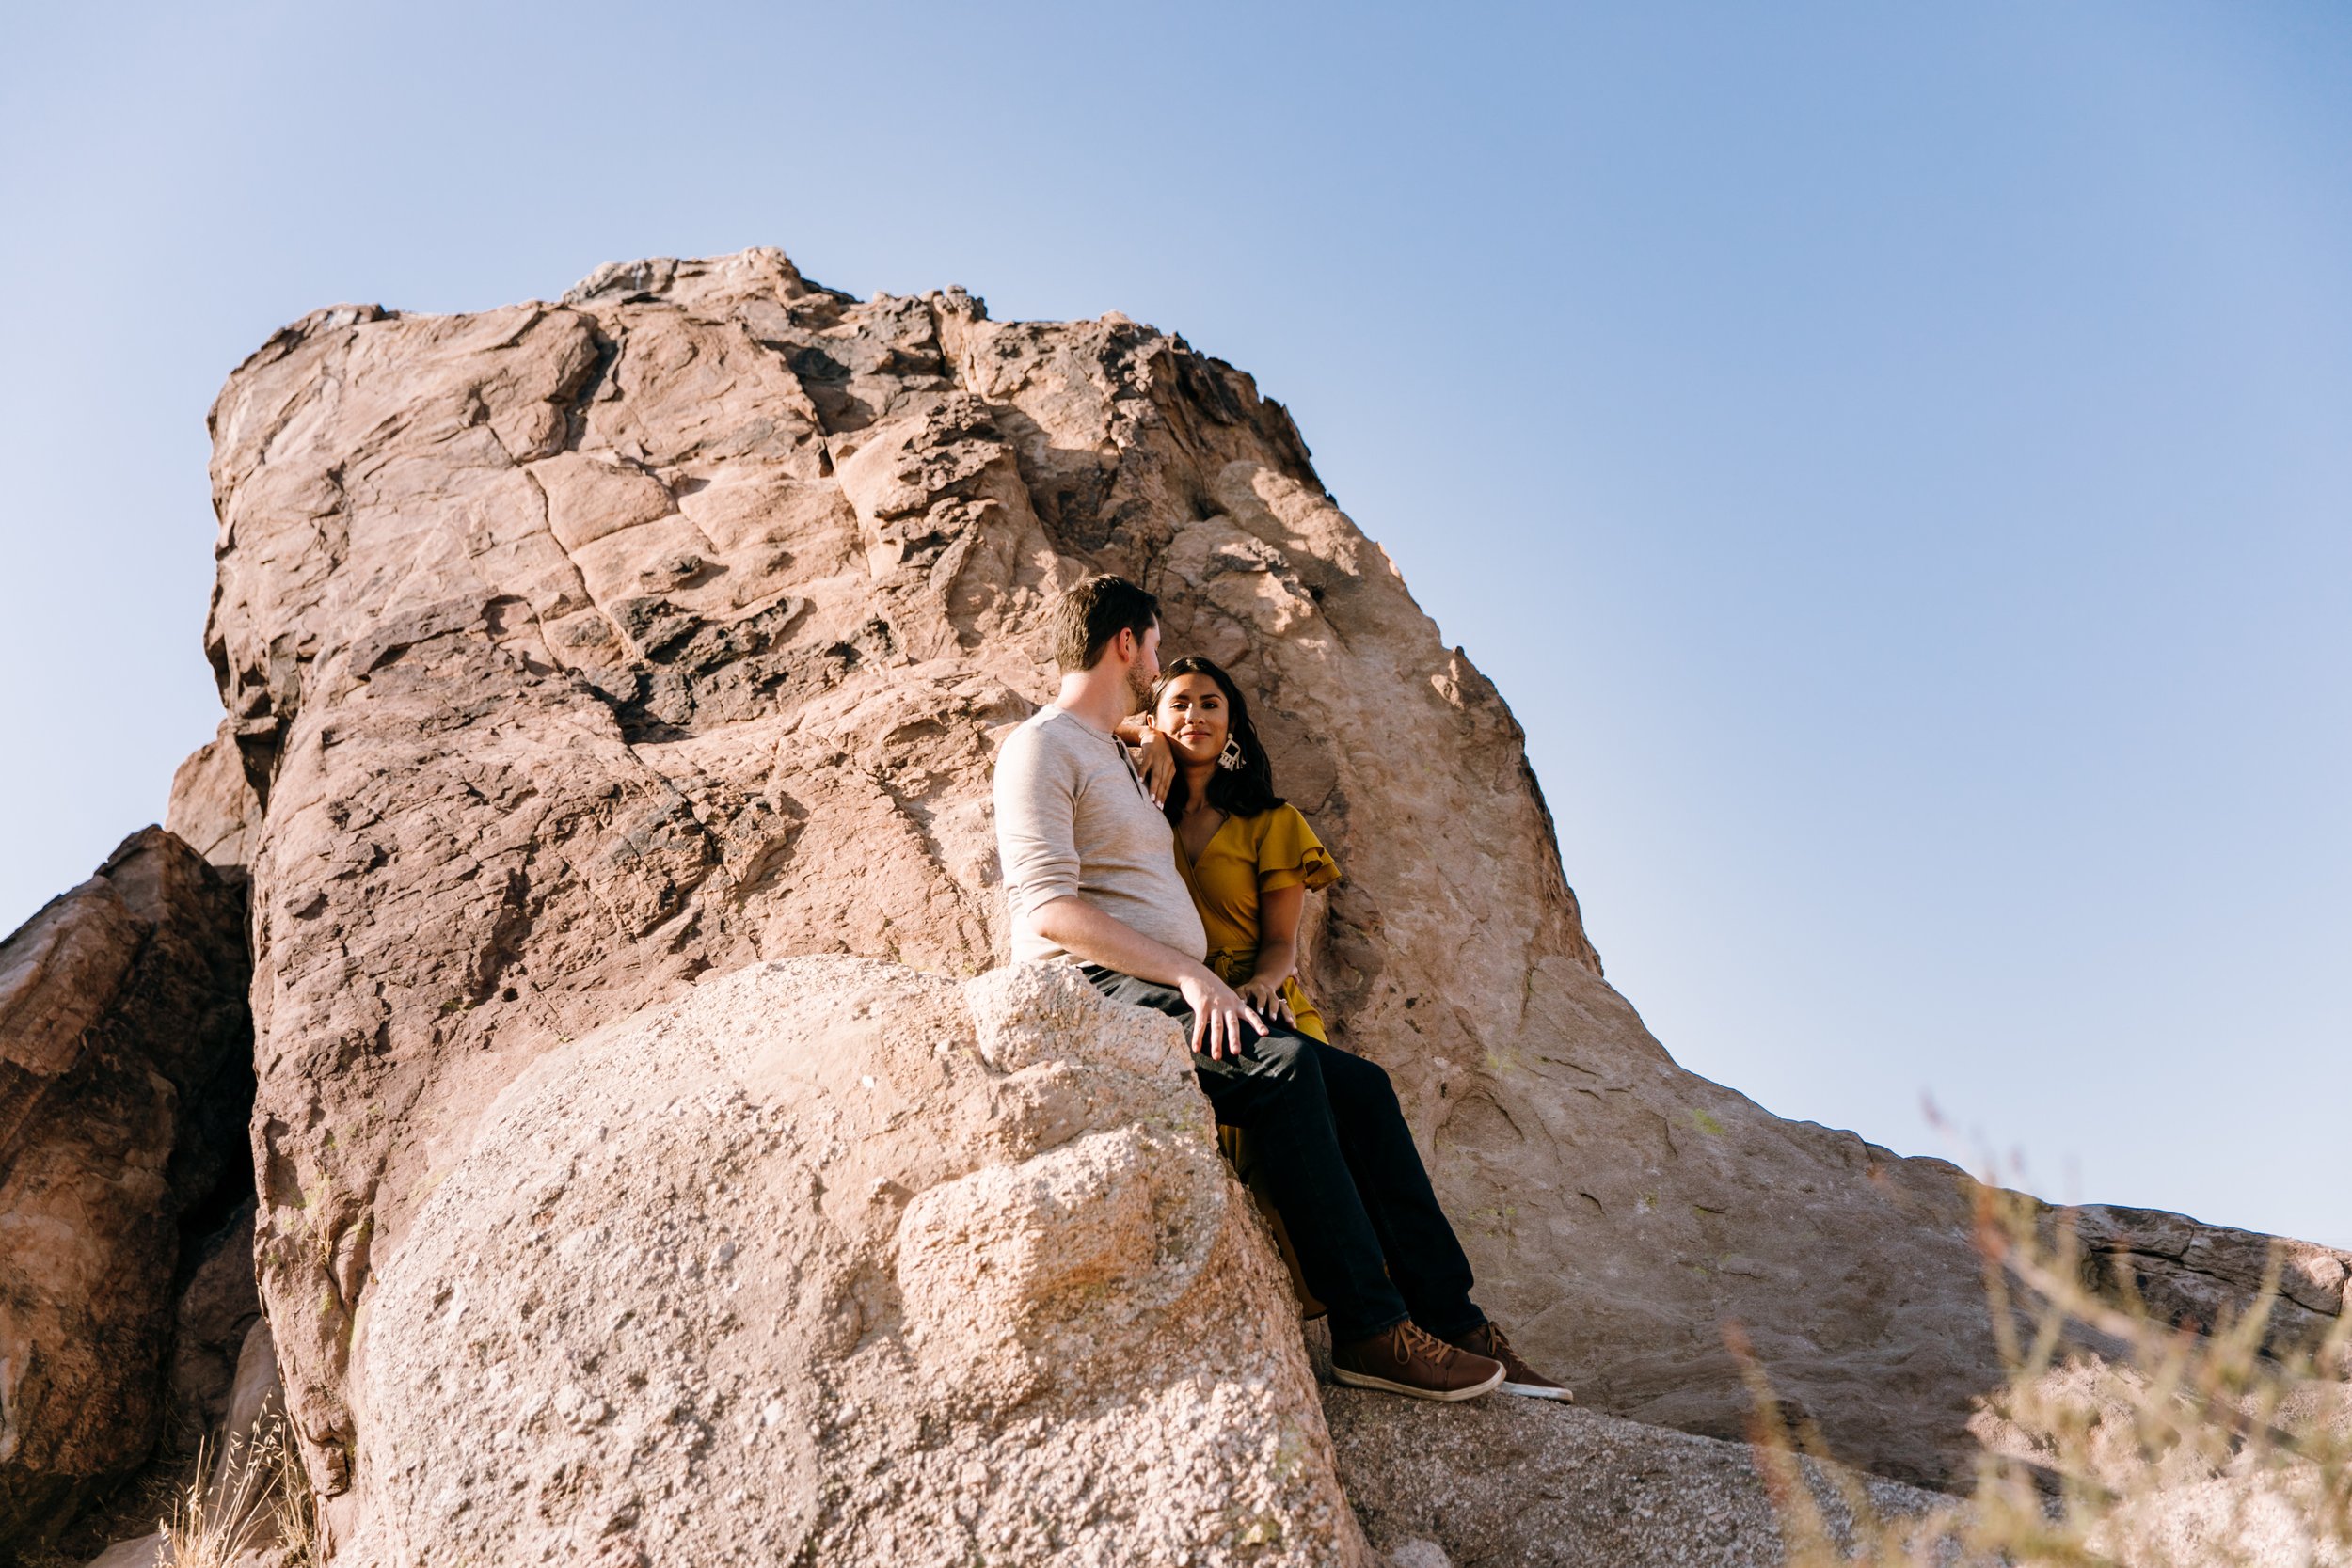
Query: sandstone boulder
point(572, 651)
point(124, 1089)
point(834, 1261)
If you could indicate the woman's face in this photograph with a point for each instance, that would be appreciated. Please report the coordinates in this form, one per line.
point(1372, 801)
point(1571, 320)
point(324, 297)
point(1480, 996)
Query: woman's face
point(1192, 715)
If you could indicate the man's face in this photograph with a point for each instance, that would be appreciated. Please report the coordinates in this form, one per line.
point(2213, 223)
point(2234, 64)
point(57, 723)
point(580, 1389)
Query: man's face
point(1145, 671)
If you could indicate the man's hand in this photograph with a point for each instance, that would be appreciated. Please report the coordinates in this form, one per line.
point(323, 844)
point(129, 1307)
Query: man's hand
point(1086, 933)
point(1265, 995)
point(1217, 1015)
point(1157, 760)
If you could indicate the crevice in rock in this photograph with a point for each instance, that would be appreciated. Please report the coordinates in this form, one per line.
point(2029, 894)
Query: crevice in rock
point(576, 400)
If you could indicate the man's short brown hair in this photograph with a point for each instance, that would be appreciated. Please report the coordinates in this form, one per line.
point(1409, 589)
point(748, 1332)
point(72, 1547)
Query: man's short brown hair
point(1093, 612)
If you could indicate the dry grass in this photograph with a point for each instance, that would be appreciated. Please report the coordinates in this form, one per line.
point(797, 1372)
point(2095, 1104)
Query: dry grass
point(260, 1502)
point(2118, 1441)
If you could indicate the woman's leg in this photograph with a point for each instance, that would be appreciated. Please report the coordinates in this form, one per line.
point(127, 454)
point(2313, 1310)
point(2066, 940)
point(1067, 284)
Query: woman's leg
point(1424, 1257)
point(1276, 1090)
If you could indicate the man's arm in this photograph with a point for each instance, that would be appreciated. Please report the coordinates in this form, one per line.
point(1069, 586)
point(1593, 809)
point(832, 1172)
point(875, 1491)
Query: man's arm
point(1080, 929)
point(1035, 844)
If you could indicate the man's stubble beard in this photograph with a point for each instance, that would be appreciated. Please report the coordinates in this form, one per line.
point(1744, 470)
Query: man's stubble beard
point(1138, 688)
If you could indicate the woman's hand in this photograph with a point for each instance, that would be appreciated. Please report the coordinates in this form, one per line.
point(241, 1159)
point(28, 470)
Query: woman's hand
point(1156, 759)
point(1264, 993)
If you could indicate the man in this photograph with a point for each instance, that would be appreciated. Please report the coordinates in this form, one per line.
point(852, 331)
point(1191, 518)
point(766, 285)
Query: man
point(1091, 871)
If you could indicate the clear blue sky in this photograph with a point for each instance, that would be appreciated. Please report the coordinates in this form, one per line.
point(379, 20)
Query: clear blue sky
point(1895, 459)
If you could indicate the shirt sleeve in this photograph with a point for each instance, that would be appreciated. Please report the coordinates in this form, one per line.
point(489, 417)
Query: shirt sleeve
point(1290, 855)
point(1036, 790)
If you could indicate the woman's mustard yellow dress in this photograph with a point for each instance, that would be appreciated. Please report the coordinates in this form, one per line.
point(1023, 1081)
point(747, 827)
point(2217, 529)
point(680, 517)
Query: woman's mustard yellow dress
point(1247, 857)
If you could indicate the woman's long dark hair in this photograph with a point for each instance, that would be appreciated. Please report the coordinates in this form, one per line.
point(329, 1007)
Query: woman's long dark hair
point(1243, 791)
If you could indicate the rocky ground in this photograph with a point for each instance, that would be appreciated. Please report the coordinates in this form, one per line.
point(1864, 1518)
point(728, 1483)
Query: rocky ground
point(1532, 1483)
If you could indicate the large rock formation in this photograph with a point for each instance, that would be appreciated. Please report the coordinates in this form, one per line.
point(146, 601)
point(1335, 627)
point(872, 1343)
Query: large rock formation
point(825, 1263)
point(571, 651)
point(126, 1284)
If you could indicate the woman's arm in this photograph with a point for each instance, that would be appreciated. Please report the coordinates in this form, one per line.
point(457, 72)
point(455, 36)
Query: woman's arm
point(1157, 759)
point(1277, 949)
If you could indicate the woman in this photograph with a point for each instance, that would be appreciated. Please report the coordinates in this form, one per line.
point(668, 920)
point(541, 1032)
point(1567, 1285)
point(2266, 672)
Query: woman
point(1247, 855)
point(1248, 859)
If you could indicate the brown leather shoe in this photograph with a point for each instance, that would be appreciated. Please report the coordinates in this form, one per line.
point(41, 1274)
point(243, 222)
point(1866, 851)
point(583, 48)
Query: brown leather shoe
point(1518, 1376)
point(1408, 1359)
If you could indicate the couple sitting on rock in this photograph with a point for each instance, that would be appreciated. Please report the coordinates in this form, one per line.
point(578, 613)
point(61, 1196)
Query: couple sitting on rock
point(1203, 924)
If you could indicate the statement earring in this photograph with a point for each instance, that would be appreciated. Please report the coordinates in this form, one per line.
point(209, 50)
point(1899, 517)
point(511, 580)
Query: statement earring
point(1230, 759)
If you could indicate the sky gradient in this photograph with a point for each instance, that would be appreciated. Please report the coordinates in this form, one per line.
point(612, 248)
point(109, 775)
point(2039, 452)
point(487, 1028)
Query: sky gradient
point(1895, 461)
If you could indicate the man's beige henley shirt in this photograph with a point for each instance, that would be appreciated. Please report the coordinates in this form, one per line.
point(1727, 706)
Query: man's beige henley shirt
point(1073, 816)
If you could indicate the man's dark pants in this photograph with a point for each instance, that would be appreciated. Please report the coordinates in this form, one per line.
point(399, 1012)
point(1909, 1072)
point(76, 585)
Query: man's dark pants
point(1342, 1168)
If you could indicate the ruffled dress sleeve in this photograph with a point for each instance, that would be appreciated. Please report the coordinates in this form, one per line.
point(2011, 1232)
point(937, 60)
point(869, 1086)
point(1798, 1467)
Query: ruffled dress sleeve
point(1290, 855)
